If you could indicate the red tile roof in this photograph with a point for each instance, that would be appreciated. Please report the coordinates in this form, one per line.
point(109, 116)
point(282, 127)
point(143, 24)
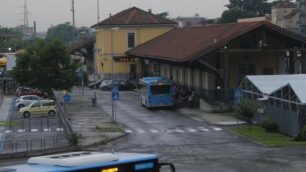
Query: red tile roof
point(134, 16)
point(184, 44)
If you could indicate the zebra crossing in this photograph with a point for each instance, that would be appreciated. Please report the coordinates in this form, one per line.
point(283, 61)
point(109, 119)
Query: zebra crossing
point(175, 130)
point(33, 130)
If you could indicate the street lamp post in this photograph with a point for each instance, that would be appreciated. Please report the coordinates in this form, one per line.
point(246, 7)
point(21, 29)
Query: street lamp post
point(112, 54)
point(82, 62)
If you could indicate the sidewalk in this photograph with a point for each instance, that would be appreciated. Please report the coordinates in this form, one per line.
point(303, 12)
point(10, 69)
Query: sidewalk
point(4, 112)
point(93, 124)
point(212, 118)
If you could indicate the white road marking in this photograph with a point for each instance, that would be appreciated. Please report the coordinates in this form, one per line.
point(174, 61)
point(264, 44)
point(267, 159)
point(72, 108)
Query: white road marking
point(179, 131)
point(59, 129)
point(20, 131)
point(128, 131)
point(203, 129)
point(34, 130)
point(216, 128)
point(170, 131)
point(191, 130)
point(8, 131)
point(47, 129)
point(154, 131)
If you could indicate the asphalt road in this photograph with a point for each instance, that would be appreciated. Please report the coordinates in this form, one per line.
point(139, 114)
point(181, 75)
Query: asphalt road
point(194, 145)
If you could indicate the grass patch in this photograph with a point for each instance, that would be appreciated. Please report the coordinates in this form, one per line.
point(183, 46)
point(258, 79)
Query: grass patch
point(109, 128)
point(258, 134)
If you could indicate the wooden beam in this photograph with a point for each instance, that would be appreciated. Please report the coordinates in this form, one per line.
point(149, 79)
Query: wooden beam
point(209, 66)
point(261, 50)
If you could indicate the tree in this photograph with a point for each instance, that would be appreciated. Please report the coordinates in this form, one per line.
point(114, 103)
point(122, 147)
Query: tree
point(245, 8)
point(45, 66)
point(14, 40)
point(62, 31)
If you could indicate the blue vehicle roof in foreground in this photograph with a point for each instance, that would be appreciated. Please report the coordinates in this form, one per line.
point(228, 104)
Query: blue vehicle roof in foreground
point(123, 158)
point(153, 80)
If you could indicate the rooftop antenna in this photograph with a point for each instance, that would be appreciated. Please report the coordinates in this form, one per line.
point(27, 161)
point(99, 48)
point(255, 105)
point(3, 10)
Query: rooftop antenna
point(73, 19)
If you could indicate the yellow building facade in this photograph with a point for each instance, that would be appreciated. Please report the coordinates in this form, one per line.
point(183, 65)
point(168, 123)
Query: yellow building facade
point(122, 32)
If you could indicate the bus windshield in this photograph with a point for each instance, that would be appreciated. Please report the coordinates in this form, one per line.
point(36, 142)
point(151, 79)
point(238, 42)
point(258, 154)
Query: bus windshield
point(160, 89)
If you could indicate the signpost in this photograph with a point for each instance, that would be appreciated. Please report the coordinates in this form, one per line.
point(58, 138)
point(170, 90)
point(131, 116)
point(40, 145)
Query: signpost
point(115, 97)
point(115, 93)
point(67, 98)
point(238, 94)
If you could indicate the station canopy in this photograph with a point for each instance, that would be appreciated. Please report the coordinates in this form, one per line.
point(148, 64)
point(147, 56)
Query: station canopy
point(289, 87)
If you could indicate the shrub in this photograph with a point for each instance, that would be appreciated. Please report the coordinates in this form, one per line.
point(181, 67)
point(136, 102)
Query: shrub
point(270, 126)
point(302, 135)
point(74, 139)
point(246, 109)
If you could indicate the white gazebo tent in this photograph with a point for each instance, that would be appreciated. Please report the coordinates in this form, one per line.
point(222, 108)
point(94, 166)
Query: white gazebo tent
point(284, 97)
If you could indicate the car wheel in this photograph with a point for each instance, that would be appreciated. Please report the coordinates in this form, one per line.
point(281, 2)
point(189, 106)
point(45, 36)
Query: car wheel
point(21, 106)
point(26, 114)
point(51, 113)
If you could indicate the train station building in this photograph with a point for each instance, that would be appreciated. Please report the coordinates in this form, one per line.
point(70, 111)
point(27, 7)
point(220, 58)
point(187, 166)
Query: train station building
point(213, 60)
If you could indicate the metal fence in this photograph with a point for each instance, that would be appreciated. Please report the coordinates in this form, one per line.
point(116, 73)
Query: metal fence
point(34, 124)
point(7, 86)
point(26, 145)
point(62, 115)
point(287, 121)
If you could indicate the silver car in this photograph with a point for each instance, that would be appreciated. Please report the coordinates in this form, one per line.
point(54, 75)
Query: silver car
point(23, 101)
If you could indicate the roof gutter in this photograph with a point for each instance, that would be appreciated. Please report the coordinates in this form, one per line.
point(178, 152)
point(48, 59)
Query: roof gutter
point(136, 25)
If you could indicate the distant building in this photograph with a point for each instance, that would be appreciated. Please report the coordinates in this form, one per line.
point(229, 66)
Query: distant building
point(285, 14)
point(27, 32)
point(253, 19)
point(196, 20)
point(122, 32)
point(301, 24)
point(8, 36)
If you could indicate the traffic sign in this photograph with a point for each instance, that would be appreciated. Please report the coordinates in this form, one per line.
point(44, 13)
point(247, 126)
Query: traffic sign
point(67, 98)
point(115, 93)
point(238, 94)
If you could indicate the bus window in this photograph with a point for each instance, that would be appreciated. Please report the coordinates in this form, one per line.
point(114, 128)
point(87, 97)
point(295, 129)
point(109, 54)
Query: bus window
point(160, 89)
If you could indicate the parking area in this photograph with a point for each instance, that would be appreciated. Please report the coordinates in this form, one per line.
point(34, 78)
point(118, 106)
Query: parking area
point(21, 134)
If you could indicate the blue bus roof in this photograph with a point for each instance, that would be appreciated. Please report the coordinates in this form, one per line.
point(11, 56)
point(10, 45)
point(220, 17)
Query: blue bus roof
point(150, 80)
point(123, 159)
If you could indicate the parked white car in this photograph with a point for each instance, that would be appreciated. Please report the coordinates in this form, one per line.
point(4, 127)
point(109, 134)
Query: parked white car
point(23, 101)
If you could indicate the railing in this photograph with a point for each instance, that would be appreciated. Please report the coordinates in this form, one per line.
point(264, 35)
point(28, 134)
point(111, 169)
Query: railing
point(66, 123)
point(34, 124)
point(27, 145)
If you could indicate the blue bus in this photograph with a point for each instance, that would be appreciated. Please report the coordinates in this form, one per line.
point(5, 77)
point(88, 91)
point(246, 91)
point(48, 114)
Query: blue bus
point(91, 162)
point(156, 92)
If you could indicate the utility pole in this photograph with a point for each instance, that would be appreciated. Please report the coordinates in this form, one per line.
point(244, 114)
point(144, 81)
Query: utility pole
point(73, 19)
point(25, 19)
point(98, 11)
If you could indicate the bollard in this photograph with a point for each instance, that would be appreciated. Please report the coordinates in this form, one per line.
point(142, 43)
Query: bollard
point(94, 100)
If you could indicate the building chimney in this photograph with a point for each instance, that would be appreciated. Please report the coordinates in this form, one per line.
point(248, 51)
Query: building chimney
point(34, 27)
point(150, 10)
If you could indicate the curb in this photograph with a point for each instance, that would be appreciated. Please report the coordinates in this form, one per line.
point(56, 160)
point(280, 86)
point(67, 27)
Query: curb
point(101, 142)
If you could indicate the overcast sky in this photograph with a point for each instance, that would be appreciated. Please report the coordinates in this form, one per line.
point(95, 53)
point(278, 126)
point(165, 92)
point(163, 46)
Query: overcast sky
point(53, 12)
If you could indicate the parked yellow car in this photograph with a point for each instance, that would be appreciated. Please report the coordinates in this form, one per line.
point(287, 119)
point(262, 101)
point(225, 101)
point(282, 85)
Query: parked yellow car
point(39, 107)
